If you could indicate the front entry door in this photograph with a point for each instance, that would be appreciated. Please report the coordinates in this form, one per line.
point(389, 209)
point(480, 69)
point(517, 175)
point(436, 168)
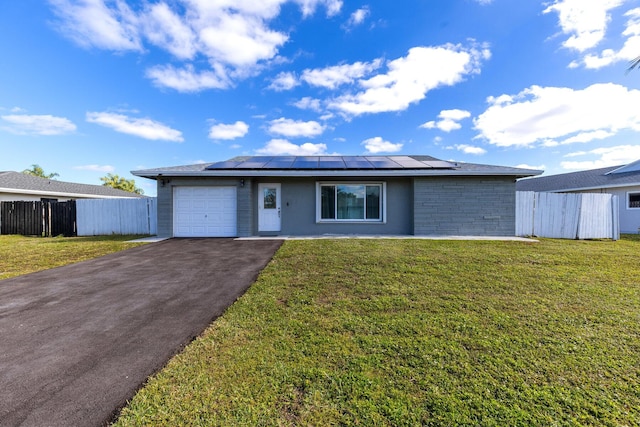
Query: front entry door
point(269, 214)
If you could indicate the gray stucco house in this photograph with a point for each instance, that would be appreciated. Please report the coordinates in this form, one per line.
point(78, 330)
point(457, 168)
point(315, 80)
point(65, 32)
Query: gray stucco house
point(622, 181)
point(324, 195)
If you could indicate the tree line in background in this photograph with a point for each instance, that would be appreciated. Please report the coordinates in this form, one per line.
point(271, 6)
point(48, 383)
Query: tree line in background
point(109, 180)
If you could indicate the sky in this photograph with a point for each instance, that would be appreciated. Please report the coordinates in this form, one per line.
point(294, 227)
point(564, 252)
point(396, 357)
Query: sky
point(90, 87)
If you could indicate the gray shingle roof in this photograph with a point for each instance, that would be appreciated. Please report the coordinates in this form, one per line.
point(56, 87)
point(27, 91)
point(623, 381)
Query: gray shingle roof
point(583, 180)
point(458, 169)
point(49, 187)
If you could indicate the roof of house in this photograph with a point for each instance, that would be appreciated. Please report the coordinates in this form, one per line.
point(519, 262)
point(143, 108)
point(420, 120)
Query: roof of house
point(334, 166)
point(610, 177)
point(21, 183)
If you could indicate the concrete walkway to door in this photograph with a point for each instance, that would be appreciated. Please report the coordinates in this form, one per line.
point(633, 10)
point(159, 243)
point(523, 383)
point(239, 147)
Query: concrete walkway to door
point(76, 342)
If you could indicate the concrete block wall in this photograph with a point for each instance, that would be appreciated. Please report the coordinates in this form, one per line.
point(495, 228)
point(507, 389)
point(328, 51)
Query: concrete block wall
point(459, 206)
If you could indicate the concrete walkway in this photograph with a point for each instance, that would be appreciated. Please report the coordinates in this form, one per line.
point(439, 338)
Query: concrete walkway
point(76, 342)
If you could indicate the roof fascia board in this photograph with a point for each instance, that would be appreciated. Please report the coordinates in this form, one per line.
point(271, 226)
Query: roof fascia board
point(60, 194)
point(600, 187)
point(341, 174)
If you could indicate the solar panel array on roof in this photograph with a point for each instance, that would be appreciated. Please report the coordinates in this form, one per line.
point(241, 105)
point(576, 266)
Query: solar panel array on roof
point(330, 163)
point(284, 162)
point(305, 162)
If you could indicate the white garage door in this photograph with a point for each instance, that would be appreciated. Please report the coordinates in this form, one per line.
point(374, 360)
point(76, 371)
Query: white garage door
point(204, 212)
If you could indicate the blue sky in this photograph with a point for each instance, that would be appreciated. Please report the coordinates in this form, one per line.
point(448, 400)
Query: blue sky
point(89, 87)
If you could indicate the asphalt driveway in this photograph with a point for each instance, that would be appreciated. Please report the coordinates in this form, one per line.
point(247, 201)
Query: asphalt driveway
point(76, 342)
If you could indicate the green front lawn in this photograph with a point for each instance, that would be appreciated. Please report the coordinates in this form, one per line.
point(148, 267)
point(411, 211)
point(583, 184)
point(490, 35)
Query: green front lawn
point(417, 332)
point(21, 255)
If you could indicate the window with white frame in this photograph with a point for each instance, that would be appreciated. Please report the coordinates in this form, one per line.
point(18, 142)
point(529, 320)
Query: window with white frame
point(350, 202)
point(633, 200)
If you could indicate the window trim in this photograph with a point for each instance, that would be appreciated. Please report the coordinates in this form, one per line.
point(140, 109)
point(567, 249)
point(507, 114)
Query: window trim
point(629, 193)
point(383, 202)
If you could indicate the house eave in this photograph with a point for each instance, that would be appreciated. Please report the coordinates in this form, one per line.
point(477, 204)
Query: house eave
point(598, 187)
point(333, 173)
point(59, 194)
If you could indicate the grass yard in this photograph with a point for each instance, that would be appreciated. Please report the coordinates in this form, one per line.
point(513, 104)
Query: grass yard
point(417, 332)
point(21, 255)
point(402, 332)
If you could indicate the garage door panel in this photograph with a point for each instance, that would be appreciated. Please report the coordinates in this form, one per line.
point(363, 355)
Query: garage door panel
point(205, 212)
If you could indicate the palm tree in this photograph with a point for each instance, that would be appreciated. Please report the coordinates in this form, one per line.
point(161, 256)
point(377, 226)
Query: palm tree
point(120, 183)
point(36, 170)
point(633, 63)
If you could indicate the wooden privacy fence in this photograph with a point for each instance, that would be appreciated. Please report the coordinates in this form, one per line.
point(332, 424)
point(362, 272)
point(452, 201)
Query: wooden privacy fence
point(38, 218)
point(98, 217)
point(567, 215)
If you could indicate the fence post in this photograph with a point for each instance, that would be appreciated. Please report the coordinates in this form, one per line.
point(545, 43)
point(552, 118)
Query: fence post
point(615, 208)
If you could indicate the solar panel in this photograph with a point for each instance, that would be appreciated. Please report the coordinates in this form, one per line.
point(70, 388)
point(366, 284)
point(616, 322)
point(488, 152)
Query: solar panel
point(380, 162)
point(439, 164)
point(280, 162)
point(254, 163)
point(306, 162)
point(409, 162)
point(228, 164)
point(357, 162)
point(331, 162)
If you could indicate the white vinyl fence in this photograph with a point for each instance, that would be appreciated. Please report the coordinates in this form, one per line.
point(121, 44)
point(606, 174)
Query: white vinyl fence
point(567, 215)
point(99, 217)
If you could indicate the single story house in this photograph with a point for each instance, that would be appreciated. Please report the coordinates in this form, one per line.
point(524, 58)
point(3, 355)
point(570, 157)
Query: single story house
point(622, 181)
point(335, 195)
point(17, 186)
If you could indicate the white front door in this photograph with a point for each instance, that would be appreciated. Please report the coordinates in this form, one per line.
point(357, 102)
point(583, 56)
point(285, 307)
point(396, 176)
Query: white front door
point(269, 207)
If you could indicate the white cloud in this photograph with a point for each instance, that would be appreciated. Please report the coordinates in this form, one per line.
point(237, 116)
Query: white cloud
point(165, 28)
point(144, 128)
point(228, 131)
point(584, 137)
point(295, 129)
point(540, 114)
point(378, 145)
point(309, 6)
point(308, 103)
point(608, 156)
point(279, 147)
point(358, 17)
point(585, 21)
point(334, 76)
point(96, 168)
point(284, 81)
point(469, 149)
point(449, 120)
point(410, 78)
point(93, 23)
point(234, 37)
point(629, 51)
point(187, 79)
point(24, 124)
point(235, 146)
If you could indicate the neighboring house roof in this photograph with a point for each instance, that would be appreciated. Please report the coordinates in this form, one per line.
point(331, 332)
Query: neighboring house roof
point(21, 183)
point(334, 166)
point(610, 177)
